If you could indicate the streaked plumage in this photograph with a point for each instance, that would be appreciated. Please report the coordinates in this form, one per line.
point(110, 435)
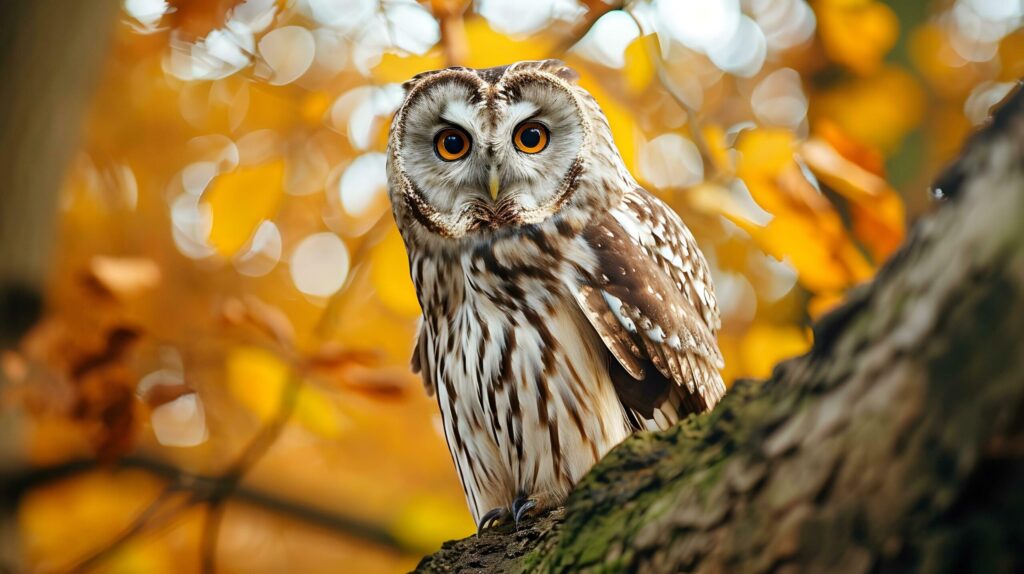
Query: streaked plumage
point(560, 315)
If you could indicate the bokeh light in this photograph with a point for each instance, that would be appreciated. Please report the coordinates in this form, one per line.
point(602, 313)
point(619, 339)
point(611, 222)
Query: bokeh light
point(319, 264)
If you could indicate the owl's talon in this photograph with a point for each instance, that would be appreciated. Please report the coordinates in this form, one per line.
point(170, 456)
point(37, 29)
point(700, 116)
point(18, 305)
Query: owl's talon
point(520, 506)
point(488, 520)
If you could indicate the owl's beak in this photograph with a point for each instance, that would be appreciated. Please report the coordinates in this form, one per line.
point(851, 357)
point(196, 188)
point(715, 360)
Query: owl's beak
point(493, 184)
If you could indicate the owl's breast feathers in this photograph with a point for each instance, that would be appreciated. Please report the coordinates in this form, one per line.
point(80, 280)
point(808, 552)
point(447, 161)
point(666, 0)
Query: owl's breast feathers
point(642, 283)
point(548, 343)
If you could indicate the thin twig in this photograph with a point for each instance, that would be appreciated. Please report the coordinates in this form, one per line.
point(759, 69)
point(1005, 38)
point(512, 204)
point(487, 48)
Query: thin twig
point(211, 535)
point(693, 123)
point(454, 44)
point(214, 492)
point(189, 482)
point(595, 10)
point(227, 484)
point(149, 518)
point(325, 326)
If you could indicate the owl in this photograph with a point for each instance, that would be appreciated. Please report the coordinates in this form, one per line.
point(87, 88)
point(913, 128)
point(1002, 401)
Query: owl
point(564, 307)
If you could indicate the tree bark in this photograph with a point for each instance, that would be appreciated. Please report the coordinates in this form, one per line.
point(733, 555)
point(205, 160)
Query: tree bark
point(896, 444)
point(51, 52)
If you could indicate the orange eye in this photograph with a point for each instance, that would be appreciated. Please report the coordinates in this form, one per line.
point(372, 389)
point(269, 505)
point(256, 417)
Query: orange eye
point(531, 137)
point(451, 144)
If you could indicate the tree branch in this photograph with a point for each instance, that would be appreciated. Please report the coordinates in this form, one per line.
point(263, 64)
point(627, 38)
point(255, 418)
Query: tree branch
point(197, 485)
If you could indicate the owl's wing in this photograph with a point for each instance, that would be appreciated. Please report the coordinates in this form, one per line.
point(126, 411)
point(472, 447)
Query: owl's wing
point(652, 302)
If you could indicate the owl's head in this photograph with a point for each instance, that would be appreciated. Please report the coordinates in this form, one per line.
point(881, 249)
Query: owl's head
point(477, 152)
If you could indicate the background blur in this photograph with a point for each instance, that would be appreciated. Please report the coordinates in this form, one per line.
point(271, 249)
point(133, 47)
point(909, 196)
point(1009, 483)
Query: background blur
point(220, 378)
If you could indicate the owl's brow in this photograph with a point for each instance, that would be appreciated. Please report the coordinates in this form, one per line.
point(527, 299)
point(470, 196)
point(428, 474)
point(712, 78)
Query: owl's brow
point(450, 122)
point(525, 110)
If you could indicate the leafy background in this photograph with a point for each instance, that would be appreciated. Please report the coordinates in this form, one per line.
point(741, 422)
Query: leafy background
point(221, 379)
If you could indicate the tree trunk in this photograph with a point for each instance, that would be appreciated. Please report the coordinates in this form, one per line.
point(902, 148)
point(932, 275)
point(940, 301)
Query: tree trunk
point(51, 52)
point(896, 444)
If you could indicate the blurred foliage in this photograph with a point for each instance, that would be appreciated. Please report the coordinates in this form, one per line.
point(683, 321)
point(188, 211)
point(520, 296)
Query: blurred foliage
point(231, 305)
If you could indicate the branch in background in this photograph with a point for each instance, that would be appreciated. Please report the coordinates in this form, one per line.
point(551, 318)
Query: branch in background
point(594, 10)
point(229, 481)
point(154, 516)
point(598, 8)
point(693, 124)
point(450, 16)
point(212, 492)
point(196, 489)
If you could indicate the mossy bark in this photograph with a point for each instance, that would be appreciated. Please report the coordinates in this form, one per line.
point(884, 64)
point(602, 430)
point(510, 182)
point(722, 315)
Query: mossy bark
point(895, 445)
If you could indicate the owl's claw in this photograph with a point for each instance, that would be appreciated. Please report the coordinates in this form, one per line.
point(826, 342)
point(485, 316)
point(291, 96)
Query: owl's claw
point(488, 520)
point(520, 506)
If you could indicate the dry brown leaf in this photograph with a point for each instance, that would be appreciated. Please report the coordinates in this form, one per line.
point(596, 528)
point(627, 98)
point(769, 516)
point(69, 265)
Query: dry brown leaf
point(253, 312)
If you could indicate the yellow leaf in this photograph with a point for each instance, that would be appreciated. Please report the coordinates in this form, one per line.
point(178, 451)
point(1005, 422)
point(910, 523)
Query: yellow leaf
point(714, 137)
point(314, 105)
point(142, 555)
point(639, 68)
point(394, 68)
point(857, 34)
point(428, 520)
point(823, 261)
point(764, 152)
point(763, 346)
point(876, 208)
point(729, 344)
point(256, 378)
point(488, 48)
point(877, 111)
point(240, 200)
point(1011, 54)
point(270, 108)
point(879, 225)
point(63, 521)
point(620, 118)
point(948, 74)
point(805, 229)
point(390, 275)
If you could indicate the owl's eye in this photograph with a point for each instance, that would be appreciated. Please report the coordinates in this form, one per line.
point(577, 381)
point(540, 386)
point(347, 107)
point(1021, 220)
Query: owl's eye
point(531, 137)
point(451, 144)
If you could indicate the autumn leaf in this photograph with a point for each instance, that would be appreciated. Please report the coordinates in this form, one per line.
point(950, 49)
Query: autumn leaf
point(240, 200)
point(427, 521)
point(398, 68)
point(764, 346)
point(639, 68)
point(805, 228)
point(857, 33)
point(389, 276)
point(257, 378)
point(51, 520)
point(876, 208)
point(892, 98)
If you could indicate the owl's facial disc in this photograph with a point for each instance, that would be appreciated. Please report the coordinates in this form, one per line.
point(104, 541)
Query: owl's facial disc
point(482, 156)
